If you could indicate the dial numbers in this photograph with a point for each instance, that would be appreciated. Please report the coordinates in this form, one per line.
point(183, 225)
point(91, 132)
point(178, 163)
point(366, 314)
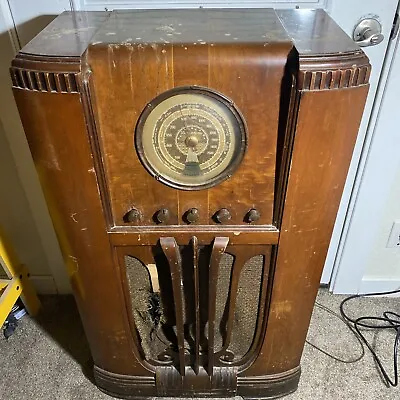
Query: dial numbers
point(190, 139)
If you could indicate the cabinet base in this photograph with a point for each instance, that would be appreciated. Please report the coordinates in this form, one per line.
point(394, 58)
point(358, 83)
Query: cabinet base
point(249, 387)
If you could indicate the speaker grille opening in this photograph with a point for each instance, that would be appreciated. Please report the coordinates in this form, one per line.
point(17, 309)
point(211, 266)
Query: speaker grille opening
point(236, 288)
point(222, 300)
point(147, 308)
point(247, 307)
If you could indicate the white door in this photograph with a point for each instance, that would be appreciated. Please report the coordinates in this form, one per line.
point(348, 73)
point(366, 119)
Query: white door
point(29, 17)
point(369, 261)
point(347, 14)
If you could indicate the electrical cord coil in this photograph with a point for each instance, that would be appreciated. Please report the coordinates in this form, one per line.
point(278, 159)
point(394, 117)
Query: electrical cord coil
point(389, 320)
point(349, 361)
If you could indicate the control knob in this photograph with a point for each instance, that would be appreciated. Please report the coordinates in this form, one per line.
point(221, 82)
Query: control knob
point(133, 215)
point(252, 215)
point(163, 215)
point(192, 215)
point(222, 216)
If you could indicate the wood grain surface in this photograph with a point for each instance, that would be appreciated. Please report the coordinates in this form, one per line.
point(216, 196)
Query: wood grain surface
point(124, 78)
point(80, 97)
point(56, 131)
point(322, 152)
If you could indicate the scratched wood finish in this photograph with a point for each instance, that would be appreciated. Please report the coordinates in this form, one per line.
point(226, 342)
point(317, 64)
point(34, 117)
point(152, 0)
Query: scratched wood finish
point(124, 78)
point(55, 129)
point(322, 151)
point(141, 237)
point(80, 130)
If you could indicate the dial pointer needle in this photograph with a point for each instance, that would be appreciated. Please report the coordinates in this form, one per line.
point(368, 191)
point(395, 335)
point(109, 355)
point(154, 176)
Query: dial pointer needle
point(192, 166)
point(183, 119)
point(191, 157)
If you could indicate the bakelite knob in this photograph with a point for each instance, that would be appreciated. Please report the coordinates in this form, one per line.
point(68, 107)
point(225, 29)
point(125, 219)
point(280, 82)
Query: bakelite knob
point(223, 215)
point(253, 215)
point(192, 215)
point(163, 215)
point(133, 215)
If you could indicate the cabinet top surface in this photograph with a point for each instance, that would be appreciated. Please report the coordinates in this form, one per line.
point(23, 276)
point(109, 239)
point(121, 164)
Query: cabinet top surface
point(312, 32)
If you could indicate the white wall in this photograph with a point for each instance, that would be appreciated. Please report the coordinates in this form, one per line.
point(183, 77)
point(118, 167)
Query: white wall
point(15, 217)
point(384, 12)
point(374, 210)
point(378, 201)
point(23, 212)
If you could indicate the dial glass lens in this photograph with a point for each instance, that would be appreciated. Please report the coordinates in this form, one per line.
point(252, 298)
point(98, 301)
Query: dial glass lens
point(191, 138)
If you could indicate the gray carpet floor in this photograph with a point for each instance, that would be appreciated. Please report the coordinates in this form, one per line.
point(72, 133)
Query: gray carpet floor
point(48, 358)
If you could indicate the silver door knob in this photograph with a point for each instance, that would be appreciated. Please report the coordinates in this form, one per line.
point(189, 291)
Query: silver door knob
point(368, 32)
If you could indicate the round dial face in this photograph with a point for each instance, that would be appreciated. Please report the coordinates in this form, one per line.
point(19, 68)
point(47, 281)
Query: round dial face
point(191, 138)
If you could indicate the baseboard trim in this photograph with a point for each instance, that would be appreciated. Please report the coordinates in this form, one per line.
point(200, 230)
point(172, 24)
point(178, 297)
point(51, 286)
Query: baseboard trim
point(374, 285)
point(44, 284)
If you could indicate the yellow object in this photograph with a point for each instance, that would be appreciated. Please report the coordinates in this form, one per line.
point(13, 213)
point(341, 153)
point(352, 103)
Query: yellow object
point(17, 284)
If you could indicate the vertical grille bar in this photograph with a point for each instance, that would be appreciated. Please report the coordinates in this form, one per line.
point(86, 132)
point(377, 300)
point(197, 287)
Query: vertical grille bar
point(218, 249)
point(171, 251)
point(237, 269)
point(13, 77)
point(68, 83)
point(21, 78)
point(31, 80)
point(40, 81)
point(58, 83)
point(196, 279)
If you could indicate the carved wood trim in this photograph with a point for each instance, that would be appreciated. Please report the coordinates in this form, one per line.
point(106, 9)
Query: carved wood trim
point(171, 251)
point(334, 79)
point(257, 235)
point(247, 387)
point(196, 281)
point(325, 73)
point(195, 359)
point(40, 81)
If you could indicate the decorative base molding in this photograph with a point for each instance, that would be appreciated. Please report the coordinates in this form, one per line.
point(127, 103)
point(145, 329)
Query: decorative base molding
point(250, 388)
point(125, 386)
point(377, 285)
point(269, 386)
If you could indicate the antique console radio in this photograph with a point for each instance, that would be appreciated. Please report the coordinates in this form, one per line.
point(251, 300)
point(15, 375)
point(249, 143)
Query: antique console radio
point(193, 163)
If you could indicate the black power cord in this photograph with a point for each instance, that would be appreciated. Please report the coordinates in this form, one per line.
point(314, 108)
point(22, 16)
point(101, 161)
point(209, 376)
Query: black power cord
point(349, 361)
point(389, 320)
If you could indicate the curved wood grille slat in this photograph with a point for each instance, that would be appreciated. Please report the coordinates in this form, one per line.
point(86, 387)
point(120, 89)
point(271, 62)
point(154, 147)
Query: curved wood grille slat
point(51, 82)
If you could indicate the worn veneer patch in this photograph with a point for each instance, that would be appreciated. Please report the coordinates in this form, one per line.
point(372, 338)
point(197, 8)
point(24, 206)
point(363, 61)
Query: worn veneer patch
point(186, 26)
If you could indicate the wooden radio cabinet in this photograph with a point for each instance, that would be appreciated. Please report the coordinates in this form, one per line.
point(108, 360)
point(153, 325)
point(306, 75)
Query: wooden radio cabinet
point(193, 163)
